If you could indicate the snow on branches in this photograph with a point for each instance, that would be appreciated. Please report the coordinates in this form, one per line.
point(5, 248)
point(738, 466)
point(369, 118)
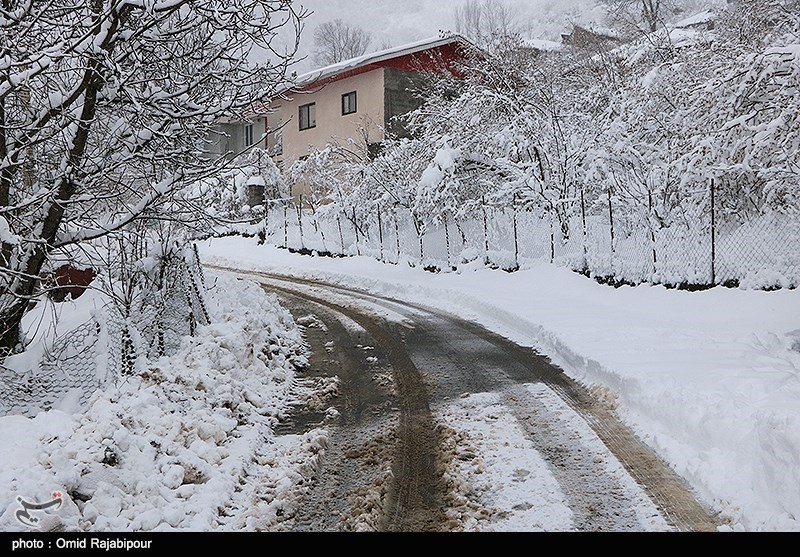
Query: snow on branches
point(105, 108)
point(656, 151)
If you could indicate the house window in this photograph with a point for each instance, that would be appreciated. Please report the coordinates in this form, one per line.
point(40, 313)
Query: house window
point(308, 116)
point(349, 105)
point(248, 135)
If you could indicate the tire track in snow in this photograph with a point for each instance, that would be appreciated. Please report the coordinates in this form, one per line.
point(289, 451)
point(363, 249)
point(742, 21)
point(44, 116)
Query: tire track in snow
point(668, 492)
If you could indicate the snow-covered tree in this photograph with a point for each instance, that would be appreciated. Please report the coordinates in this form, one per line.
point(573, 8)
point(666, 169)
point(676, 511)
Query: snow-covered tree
point(392, 183)
point(512, 132)
point(105, 107)
point(745, 115)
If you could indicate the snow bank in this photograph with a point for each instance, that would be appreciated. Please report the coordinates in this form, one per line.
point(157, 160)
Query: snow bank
point(708, 379)
point(178, 446)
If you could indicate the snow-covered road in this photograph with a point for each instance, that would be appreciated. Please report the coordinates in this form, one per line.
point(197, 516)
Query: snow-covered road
point(481, 434)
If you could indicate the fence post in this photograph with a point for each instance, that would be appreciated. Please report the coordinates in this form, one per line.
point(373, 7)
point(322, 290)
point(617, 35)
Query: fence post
point(355, 230)
point(397, 234)
point(341, 235)
point(585, 233)
point(318, 228)
point(380, 231)
point(300, 219)
point(713, 236)
point(516, 236)
point(447, 240)
point(611, 223)
point(263, 235)
point(652, 232)
point(286, 224)
point(418, 226)
point(485, 232)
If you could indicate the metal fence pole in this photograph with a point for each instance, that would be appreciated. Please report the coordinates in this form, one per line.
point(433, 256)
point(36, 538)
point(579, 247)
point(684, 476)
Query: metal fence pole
point(485, 232)
point(611, 223)
point(263, 235)
point(447, 240)
point(318, 228)
point(355, 231)
point(652, 232)
point(516, 235)
point(286, 225)
point(397, 234)
point(380, 231)
point(419, 227)
point(713, 236)
point(341, 235)
point(300, 220)
point(585, 232)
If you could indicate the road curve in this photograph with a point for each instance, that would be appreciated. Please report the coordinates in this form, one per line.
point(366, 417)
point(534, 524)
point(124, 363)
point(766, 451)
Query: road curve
point(383, 470)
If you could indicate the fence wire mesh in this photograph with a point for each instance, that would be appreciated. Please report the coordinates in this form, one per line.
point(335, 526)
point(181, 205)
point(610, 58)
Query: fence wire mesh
point(101, 352)
point(610, 243)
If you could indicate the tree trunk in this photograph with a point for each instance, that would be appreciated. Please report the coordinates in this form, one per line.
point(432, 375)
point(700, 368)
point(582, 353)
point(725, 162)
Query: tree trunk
point(24, 284)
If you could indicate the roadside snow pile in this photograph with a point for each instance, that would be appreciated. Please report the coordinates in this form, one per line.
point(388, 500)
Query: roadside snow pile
point(188, 444)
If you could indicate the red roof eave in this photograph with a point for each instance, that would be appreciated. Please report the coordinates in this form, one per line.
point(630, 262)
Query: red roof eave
point(438, 57)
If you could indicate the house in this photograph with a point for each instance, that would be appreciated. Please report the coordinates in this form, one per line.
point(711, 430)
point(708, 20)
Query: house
point(590, 39)
point(703, 21)
point(356, 101)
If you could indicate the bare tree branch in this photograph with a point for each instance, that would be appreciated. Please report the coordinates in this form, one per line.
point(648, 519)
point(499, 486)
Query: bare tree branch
point(335, 41)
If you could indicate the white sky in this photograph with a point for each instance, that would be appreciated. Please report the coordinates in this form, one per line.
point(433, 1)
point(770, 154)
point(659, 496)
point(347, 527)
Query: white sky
point(396, 22)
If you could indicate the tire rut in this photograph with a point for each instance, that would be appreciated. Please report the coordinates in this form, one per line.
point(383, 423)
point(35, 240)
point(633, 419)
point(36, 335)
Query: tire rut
point(415, 501)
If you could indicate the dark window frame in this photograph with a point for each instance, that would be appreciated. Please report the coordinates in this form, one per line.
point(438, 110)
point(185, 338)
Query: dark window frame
point(308, 120)
point(348, 106)
point(249, 135)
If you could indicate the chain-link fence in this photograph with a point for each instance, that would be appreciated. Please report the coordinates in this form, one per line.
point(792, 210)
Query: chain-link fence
point(104, 350)
point(68, 370)
point(608, 242)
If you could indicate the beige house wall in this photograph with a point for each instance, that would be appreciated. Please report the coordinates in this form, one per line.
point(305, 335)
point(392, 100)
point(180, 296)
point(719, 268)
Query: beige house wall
point(332, 126)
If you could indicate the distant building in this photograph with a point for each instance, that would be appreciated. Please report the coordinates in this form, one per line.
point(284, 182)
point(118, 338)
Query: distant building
point(583, 38)
point(703, 21)
point(356, 100)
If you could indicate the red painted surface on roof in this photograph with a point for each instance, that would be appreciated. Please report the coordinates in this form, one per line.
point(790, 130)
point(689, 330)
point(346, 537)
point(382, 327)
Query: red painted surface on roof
point(437, 60)
point(441, 59)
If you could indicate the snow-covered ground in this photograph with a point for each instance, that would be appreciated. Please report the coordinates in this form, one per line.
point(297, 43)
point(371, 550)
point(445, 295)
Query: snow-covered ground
point(709, 379)
point(178, 446)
